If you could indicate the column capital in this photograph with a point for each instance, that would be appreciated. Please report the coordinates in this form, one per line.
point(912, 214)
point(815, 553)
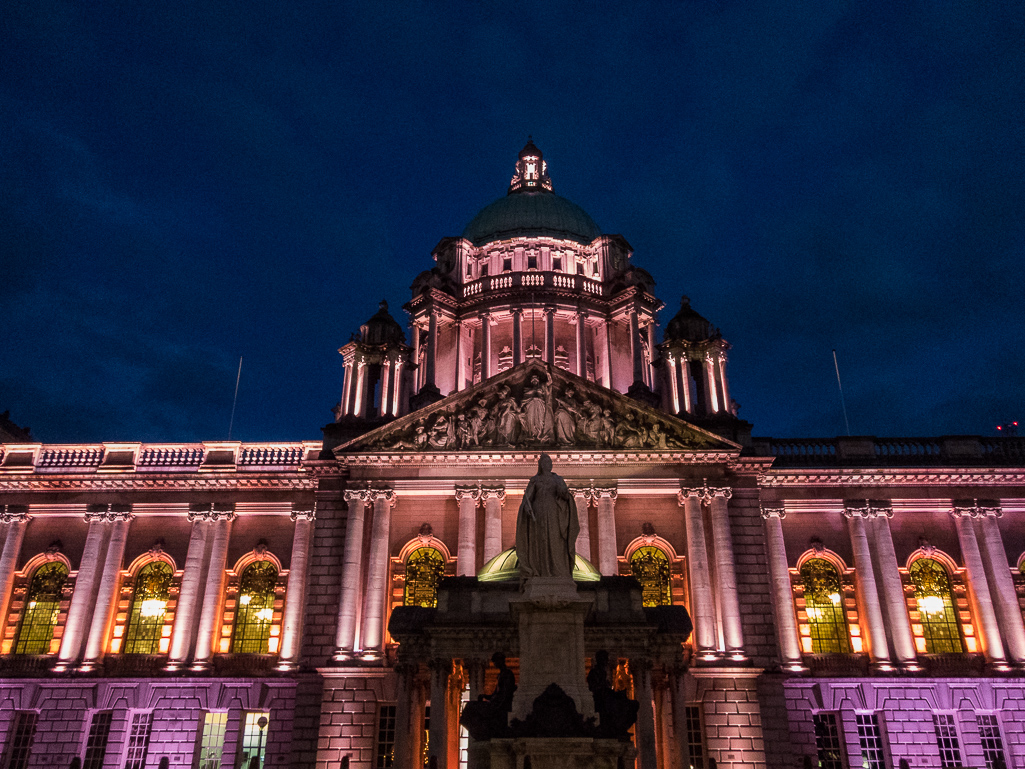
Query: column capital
point(549, 311)
point(108, 513)
point(492, 492)
point(385, 493)
point(774, 512)
point(707, 492)
point(468, 492)
point(366, 496)
point(604, 492)
point(14, 514)
point(688, 492)
point(856, 508)
point(587, 492)
point(305, 513)
point(989, 512)
point(516, 310)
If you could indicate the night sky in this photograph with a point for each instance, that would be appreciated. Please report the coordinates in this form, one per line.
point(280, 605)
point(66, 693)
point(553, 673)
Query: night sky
point(182, 184)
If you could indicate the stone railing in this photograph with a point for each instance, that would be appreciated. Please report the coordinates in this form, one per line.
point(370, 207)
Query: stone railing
point(531, 280)
point(869, 451)
point(210, 456)
point(26, 665)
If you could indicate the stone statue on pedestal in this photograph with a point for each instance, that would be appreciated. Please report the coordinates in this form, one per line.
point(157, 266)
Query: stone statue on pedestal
point(488, 717)
point(546, 526)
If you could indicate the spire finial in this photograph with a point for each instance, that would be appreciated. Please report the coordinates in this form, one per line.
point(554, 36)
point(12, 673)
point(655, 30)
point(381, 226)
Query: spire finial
point(531, 174)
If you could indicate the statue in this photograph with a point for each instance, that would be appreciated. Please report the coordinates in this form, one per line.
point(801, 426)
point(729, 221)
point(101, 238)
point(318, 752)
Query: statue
point(546, 526)
point(537, 418)
point(616, 712)
point(566, 415)
point(507, 417)
point(489, 716)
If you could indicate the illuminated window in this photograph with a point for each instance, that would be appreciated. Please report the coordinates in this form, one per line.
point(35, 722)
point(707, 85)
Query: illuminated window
point(947, 741)
point(149, 605)
point(42, 604)
point(823, 598)
point(254, 739)
point(424, 567)
point(211, 746)
point(138, 741)
point(96, 744)
point(936, 628)
point(827, 741)
point(255, 608)
point(385, 737)
point(19, 750)
point(651, 567)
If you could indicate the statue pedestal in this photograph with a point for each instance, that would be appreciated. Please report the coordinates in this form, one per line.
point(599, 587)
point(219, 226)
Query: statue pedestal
point(551, 753)
point(551, 619)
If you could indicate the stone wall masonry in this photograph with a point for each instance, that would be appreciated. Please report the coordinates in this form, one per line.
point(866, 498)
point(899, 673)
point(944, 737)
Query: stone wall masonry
point(905, 709)
point(733, 722)
point(348, 717)
point(324, 587)
point(66, 709)
point(748, 534)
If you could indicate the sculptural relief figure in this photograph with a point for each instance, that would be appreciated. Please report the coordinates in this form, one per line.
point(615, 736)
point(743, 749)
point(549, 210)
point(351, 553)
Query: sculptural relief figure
point(463, 431)
point(546, 526)
point(566, 415)
point(442, 433)
point(478, 417)
point(627, 434)
point(537, 419)
point(608, 428)
point(506, 415)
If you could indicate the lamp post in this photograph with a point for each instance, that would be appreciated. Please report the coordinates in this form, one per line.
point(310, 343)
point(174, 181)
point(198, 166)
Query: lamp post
point(262, 723)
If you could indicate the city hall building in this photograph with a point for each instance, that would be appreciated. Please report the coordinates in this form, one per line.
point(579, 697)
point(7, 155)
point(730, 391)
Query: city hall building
point(856, 602)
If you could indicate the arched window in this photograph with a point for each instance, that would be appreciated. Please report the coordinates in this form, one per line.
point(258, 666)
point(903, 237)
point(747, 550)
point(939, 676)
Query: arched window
point(255, 608)
point(650, 565)
point(823, 599)
point(937, 629)
point(424, 567)
point(149, 605)
point(42, 604)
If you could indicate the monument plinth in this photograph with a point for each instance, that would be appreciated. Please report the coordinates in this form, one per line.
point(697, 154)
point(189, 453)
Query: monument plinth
point(551, 614)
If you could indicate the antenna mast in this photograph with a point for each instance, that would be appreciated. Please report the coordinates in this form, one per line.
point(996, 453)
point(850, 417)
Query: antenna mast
point(840, 385)
point(231, 423)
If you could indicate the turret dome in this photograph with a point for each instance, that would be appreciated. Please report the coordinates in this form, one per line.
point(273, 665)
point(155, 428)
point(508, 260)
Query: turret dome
point(382, 328)
point(688, 325)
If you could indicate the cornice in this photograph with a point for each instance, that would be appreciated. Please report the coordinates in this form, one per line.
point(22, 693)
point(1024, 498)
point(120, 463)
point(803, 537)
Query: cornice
point(458, 459)
point(885, 477)
point(159, 483)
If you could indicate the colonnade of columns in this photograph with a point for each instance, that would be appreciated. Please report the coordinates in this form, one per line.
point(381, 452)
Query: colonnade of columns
point(715, 603)
point(711, 386)
point(200, 599)
point(880, 588)
point(363, 373)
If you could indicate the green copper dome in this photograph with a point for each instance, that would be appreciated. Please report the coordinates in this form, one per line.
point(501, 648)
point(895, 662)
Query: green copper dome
point(531, 208)
point(505, 567)
point(531, 214)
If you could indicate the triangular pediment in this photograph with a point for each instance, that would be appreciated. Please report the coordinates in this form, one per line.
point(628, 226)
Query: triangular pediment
point(537, 406)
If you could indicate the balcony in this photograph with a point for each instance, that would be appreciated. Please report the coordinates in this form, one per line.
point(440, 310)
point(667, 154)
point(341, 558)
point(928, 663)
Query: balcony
point(531, 281)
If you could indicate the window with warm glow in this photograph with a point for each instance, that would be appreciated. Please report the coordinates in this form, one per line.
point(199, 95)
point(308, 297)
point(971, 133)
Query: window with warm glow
point(826, 629)
point(255, 612)
point(650, 565)
point(149, 607)
point(42, 605)
point(424, 568)
point(254, 739)
point(934, 619)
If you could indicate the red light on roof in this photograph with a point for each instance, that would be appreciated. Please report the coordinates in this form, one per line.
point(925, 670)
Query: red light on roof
point(999, 427)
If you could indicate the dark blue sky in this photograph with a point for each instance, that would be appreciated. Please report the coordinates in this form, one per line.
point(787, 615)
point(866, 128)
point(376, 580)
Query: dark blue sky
point(182, 183)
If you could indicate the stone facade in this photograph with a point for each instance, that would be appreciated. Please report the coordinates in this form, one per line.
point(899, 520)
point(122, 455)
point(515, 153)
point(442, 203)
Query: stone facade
point(855, 601)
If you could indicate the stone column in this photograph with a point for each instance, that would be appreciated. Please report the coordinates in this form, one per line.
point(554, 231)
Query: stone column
point(722, 383)
point(582, 496)
point(382, 407)
point(14, 520)
point(460, 372)
point(608, 550)
point(978, 586)
point(352, 569)
point(879, 651)
point(549, 335)
point(494, 498)
point(404, 673)
point(652, 379)
point(295, 597)
point(397, 389)
point(377, 577)
point(193, 578)
point(438, 741)
point(485, 346)
point(466, 554)
point(106, 595)
point(894, 605)
point(710, 388)
point(581, 347)
point(678, 698)
point(673, 398)
point(608, 353)
point(635, 347)
point(726, 576)
point(782, 591)
point(517, 333)
point(209, 619)
point(684, 364)
point(417, 369)
point(698, 574)
point(86, 585)
point(645, 731)
point(475, 669)
point(998, 571)
point(347, 390)
point(432, 349)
